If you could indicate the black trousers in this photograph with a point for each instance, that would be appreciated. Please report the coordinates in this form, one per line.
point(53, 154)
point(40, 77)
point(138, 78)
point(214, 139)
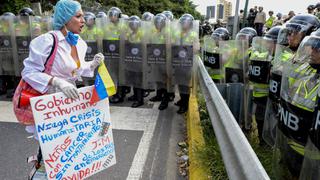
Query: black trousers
point(259, 28)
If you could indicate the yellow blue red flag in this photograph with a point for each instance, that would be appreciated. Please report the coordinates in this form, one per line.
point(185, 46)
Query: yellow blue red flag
point(103, 85)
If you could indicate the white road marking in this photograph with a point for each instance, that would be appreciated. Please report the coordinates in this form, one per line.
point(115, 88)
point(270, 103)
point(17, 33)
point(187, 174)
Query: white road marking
point(6, 110)
point(140, 157)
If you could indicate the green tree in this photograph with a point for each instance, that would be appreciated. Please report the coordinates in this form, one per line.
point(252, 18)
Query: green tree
point(13, 6)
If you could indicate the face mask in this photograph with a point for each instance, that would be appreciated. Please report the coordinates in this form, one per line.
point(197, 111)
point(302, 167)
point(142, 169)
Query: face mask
point(71, 38)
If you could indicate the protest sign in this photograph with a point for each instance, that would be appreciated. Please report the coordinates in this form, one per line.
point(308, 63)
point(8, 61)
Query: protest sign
point(75, 136)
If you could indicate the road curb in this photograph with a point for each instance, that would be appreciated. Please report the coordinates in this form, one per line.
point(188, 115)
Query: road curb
point(195, 139)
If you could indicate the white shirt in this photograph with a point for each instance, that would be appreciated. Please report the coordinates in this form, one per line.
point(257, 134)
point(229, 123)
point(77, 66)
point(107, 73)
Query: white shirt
point(63, 67)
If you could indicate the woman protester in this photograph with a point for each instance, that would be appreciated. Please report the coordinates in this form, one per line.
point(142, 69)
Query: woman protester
point(69, 58)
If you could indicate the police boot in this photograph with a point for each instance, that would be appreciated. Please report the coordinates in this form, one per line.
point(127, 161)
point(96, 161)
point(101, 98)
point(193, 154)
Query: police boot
point(126, 89)
point(3, 85)
point(114, 99)
point(164, 102)
point(184, 103)
point(158, 97)
point(171, 96)
point(133, 97)
point(146, 93)
point(118, 97)
point(139, 97)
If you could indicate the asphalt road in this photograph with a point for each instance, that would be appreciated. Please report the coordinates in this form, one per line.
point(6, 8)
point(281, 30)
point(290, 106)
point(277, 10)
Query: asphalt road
point(145, 142)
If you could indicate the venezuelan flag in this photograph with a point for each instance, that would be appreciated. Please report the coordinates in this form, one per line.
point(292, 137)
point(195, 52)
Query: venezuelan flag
point(103, 85)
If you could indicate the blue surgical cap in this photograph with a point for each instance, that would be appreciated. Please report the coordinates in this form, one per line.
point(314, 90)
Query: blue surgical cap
point(63, 12)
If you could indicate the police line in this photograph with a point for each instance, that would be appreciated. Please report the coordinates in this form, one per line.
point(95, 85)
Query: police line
point(238, 156)
point(148, 55)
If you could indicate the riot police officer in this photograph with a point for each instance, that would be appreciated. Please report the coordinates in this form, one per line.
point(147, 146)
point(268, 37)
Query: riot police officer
point(112, 27)
point(185, 46)
point(90, 31)
point(220, 34)
point(246, 33)
point(259, 69)
point(22, 30)
point(131, 66)
point(147, 16)
point(297, 107)
point(26, 11)
point(296, 97)
point(101, 14)
point(288, 41)
point(311, 163)
point(169, 15)
point(158, 57)
point(161, 95)
point(6, 49)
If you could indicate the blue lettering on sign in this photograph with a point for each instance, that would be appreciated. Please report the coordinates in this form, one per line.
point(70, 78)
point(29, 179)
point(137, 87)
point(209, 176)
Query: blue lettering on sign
point(85, 116)
point(99, 154)
point(45, 138)
point(53, 125)
point(78, 145)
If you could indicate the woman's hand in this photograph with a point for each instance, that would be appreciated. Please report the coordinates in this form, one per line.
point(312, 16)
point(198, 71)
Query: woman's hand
point(67, 88)
point(97, 60)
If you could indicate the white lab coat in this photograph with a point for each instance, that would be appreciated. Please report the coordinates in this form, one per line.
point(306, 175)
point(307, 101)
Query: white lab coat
point(63, 67)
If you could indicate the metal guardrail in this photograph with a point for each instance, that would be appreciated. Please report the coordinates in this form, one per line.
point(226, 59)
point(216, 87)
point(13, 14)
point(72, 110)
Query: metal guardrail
point(240, 160)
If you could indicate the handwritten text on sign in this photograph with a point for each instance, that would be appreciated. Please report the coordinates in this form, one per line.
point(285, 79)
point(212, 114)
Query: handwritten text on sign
point(75, 137)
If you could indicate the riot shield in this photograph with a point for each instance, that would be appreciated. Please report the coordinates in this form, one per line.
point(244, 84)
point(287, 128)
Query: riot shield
point(111, 45)
point(311, 163)
point(46, 24)
point(157, 54)
point(233, 57)
point(35, 26)
point(299, 90)
point(184, 48)
point(211, 57)
point(258, 77)
point(133, 53)
point(282, 56)
point(6, 45)
point(260, 60)
point(23, 39)
point(91, 34)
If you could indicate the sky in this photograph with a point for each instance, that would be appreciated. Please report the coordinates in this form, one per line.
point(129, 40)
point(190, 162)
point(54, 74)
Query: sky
point(282, 6)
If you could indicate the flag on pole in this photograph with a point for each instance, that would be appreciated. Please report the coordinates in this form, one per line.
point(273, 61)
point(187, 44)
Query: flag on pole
point(103, 85)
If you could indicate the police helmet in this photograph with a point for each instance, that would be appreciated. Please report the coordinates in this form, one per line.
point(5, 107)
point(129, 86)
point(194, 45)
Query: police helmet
point(310, 22)
point(114, 12)
point(273, 33)
point(101, 14)
point(26, 11)
point(169, 15)
point(147, 16)
point(8, 14)
point(134, 23)
point(124, 16)
point(89, 18)
point(221, 34)
point(159, 21)
point(246, 33)
point(186, 21)
point(310, 49)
